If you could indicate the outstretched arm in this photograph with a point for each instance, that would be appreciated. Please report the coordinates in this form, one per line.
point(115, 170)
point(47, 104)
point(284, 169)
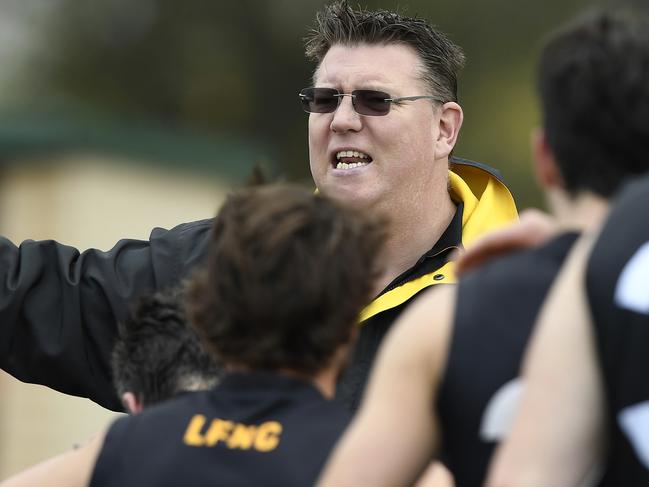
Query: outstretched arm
point(395, 433)
point(59, 308)
point(557, 435)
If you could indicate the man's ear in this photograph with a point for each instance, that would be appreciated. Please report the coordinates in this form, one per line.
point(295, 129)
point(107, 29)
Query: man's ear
point(546, 170)
point(131, 403)
point(450, 122)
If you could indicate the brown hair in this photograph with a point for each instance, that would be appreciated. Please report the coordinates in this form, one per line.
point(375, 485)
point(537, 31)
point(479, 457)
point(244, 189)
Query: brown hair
point(287, 276)
point(338, 23)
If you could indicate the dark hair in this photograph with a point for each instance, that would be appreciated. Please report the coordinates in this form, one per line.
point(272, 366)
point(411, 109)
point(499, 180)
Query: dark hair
point(287, 277)
point(338, 23)
point(594, 88)
point(157, 354)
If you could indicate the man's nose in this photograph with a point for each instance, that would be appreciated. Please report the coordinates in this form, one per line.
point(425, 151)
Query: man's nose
point(345, 117)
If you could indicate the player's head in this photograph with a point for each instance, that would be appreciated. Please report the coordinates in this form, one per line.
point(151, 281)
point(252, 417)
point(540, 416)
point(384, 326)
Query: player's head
point(287, 276)
point(366, 151)
point(157, 354)
point(594, 92)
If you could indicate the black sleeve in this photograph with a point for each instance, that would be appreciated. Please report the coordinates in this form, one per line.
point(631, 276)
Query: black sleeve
point(59, 308)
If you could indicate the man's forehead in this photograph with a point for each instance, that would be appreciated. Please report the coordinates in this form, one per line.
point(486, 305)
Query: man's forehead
point(369, 64)
point(359, 75)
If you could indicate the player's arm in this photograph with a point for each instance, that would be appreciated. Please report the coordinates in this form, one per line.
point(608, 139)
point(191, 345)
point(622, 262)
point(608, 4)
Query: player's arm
point(436, 475)
point(59, 308)
point(557, 436)
point(70, 469)
point(394, 434)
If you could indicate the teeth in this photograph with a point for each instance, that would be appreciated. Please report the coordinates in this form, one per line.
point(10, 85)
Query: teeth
point(344, 165)
point(351, 153)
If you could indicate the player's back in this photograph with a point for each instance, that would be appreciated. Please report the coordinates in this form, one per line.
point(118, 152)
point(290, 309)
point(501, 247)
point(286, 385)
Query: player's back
point(495, 312)
point(252, 429)
point(617, 286)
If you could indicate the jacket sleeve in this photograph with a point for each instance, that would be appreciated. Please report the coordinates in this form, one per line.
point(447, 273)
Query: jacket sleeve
point(59, 308)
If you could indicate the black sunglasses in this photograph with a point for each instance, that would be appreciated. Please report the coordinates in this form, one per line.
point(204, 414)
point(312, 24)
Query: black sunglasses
point(365, 102)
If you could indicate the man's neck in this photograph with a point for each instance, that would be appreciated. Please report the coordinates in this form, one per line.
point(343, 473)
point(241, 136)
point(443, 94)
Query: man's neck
point(323, 380)
point(414, 234)
point(583, 212)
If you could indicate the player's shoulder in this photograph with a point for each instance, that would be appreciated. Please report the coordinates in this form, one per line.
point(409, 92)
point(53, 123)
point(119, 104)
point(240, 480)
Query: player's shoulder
point(423, 328)
point(538, 263)
point(332, 416)
point(433, 303)
point(633, 195)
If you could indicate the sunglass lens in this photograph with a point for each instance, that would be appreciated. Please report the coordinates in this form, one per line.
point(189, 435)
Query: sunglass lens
point(370, 102)
point(319, 100)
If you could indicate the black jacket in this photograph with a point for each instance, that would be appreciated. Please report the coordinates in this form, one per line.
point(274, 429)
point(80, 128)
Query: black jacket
point(59, 309)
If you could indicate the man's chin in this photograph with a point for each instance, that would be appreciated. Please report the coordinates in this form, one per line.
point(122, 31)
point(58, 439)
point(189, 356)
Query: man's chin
point(348, 197)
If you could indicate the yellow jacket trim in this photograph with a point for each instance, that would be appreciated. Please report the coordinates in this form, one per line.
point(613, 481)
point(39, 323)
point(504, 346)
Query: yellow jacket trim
point(488, 204)
point(393, 299)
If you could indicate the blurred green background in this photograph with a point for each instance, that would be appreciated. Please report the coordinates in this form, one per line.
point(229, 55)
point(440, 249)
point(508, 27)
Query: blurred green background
point(211, 85)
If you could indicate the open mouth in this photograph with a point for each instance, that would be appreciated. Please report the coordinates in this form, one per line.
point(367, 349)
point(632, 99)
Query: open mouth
point(350, 159)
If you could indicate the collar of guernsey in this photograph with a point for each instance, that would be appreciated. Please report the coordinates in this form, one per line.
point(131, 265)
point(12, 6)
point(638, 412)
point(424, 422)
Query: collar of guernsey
point(488, 204)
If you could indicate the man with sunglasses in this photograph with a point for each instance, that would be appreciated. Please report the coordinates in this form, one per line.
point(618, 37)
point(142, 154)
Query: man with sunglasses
point(384, 120)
